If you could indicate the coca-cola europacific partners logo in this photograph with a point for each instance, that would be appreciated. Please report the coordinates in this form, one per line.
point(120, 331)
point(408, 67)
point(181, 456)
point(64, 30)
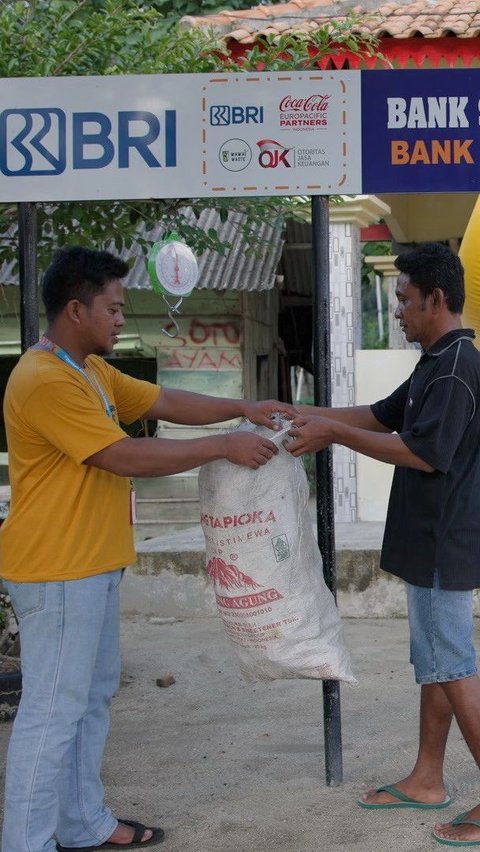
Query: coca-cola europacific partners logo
point(273, 154)
point(304, 113)
point(228, 577)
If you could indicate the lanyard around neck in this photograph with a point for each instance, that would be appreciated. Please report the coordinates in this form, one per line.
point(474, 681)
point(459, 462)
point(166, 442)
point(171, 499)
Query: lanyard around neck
point(47, 345)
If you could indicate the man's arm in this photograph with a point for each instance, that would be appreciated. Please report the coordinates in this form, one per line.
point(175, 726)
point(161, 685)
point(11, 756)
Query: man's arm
point(149, 457)
point(356, 415)
point(316, 433)
point(194, 409)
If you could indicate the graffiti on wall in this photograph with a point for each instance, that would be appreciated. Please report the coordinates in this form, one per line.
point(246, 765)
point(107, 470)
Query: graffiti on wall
point(209, 344)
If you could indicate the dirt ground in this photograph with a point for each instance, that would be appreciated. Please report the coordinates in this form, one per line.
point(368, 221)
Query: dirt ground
point(226, 766)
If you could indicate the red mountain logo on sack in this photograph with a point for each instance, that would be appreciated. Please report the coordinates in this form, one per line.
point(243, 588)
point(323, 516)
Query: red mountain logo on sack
point(228, 576)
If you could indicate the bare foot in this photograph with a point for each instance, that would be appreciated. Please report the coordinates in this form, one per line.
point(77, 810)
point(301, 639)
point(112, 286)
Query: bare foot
point(463, 831)
point(409, 787)
point(123, 834)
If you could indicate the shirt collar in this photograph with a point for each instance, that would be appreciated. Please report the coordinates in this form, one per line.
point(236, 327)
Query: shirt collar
point(448, 340)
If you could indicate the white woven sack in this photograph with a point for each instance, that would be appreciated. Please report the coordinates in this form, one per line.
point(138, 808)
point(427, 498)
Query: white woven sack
point(266, 569)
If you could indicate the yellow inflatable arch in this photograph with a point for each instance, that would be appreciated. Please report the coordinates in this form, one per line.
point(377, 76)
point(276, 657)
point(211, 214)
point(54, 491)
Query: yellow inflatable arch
point(470, 256)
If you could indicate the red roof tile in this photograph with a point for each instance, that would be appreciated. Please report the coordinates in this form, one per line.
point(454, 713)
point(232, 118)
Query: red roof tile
point(427, 18)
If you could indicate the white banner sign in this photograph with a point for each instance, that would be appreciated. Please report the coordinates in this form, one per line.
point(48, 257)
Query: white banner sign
point(180, 136)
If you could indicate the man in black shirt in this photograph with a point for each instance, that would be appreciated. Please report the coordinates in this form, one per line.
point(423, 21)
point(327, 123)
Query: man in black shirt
point(429, 428)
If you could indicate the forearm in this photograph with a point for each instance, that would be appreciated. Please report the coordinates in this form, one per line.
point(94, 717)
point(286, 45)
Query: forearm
point(148, 457)
point(193, 409)
point(161, 457)
point(356, 415)
point(385, 447)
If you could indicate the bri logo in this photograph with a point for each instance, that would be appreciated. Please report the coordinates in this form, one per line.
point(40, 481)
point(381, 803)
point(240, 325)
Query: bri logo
point(222, 115)
point(39, 141)
point(32, 141)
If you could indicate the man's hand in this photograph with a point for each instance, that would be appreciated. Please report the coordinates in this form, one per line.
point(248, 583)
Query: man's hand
point(310, 434)
point(261, 413)
point(249, 449)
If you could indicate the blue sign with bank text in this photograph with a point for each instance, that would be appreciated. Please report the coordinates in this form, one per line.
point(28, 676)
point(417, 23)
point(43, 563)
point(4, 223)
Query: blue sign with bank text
point(420, 131)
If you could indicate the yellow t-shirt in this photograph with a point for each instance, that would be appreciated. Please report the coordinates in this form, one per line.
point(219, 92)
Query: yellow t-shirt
point(67, 520)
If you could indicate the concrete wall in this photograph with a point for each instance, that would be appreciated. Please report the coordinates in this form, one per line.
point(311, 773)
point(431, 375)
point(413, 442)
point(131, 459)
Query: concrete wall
point(169, 579)
point(377, 373)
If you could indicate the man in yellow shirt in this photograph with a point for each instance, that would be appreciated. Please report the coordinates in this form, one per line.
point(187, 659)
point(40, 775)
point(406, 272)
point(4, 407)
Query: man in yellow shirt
point(68, 536)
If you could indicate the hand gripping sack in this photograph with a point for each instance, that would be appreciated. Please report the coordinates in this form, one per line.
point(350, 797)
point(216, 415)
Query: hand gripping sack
point(266, 569)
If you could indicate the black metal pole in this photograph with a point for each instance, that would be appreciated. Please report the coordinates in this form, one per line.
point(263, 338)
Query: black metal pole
point(27, 263)
point(325, 503)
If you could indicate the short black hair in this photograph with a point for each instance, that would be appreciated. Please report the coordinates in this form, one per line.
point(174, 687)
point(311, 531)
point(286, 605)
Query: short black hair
point(433, 265)
point(78, 273)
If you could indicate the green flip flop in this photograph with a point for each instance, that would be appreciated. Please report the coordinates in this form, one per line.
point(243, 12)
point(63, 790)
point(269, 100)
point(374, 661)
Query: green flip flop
point(403, 801)
point(461, 819)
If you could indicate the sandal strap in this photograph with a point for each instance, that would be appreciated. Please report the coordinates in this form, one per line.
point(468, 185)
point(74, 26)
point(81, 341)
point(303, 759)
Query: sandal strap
point(138, 829)
point(390, 788)
point(464, 819)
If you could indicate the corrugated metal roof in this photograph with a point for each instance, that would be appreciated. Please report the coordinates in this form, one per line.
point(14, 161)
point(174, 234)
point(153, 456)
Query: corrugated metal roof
point(237, 269)
point(7, 274)
point(296, 262)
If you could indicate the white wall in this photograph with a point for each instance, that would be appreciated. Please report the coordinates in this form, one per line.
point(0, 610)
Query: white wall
point(377, 373)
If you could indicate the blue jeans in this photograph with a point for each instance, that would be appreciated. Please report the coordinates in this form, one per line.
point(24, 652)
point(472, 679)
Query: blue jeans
point(70, 654)
point(441, 633)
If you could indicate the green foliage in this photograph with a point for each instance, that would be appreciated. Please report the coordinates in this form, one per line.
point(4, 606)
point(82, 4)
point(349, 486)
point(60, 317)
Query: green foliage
point(105, 224)
point(310, 459)
point(370, 338)
point(174, 9)
point(304, 50)
point(309, 463)
point(46, 38)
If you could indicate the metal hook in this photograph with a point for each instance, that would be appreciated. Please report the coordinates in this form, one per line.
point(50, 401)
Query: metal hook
point(172, 309)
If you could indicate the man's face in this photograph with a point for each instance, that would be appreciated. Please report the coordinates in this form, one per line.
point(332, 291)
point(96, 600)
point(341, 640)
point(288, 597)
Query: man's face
point(412, 310)
point(103, 319)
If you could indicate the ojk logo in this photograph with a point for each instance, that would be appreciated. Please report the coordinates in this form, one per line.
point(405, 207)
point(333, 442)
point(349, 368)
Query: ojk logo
point(39, 142)
point(222, 115)
point(273, 154)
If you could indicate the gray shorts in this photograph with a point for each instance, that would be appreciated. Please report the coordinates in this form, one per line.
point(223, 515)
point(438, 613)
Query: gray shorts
point(441, 634)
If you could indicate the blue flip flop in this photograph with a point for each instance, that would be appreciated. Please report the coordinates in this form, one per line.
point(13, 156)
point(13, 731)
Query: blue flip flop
point(461, 819)
point(404, 801)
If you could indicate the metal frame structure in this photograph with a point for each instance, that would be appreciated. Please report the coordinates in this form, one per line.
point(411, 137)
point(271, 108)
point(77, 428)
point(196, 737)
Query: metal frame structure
point(29, 332)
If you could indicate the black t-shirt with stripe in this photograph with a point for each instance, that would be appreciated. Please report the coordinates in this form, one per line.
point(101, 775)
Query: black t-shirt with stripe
point(433, 519)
